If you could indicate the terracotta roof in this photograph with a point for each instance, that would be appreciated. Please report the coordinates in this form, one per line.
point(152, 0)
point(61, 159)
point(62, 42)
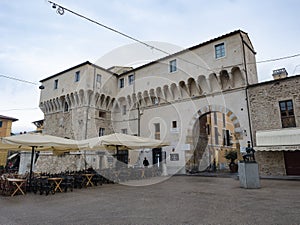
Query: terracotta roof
point(8, 118)
point(74, 67)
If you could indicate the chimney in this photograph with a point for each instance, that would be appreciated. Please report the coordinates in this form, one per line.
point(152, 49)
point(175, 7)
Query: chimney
point(279, 73)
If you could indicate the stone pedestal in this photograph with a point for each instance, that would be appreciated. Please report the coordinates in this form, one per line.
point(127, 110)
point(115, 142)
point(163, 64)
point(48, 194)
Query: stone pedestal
point(248, 175)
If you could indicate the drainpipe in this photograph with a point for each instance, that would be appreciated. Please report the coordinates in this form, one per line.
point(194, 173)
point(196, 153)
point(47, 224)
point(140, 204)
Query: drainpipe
point(246, 90)
point(139, 120)
point(138, 109)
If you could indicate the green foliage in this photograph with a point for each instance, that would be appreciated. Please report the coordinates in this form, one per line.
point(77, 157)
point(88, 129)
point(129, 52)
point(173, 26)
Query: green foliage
point(231, 155)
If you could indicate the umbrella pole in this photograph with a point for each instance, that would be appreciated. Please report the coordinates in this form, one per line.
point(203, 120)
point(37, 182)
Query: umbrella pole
point(117, 148)
point(31, 163)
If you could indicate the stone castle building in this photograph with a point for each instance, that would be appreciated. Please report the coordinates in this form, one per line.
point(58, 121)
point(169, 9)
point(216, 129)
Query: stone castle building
point(169, 99)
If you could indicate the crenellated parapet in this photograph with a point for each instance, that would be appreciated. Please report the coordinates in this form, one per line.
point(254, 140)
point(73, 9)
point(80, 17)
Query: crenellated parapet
point(185, 89)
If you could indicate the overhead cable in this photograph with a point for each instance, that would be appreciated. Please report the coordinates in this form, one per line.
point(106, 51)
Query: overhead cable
point(17, 79)
point(61, 9)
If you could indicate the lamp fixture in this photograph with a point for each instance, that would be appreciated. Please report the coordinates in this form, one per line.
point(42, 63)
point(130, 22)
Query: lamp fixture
point(59, 9)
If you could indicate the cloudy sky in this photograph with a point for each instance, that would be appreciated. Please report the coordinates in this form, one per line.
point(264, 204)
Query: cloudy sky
point(36, 42)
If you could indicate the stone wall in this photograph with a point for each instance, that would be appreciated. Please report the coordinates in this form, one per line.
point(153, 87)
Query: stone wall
point(48, 163)
point(271, 163)
point(75, 124)
point(264, 101)
point(57, 164)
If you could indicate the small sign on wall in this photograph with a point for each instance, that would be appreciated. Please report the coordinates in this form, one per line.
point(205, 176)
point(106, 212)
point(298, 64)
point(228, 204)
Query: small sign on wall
point(174, 157)
point(186, 147)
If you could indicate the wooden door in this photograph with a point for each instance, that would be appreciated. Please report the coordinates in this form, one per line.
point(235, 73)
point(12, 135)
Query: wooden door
point(292, 162)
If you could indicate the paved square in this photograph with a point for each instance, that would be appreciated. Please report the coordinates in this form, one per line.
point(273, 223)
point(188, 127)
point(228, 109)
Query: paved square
point(178, 200)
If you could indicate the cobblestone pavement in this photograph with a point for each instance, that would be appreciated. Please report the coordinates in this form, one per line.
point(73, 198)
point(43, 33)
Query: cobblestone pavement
point(178, 200)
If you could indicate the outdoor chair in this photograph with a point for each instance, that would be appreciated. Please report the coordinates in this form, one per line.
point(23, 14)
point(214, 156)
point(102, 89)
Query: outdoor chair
point(97, 179)
point(44, 186)
point(67, 183)
point(78, 181)
point(6, 188)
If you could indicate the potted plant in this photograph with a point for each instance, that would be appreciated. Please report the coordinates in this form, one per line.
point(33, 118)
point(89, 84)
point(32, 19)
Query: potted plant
point(232, 156)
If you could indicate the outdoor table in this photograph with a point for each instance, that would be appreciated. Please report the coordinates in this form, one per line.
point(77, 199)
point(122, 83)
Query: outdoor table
point(19, 184)
point(89, 177)
point(57, 181)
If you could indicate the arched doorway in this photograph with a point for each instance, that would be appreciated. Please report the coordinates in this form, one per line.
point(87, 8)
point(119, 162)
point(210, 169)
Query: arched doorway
point(215, 131)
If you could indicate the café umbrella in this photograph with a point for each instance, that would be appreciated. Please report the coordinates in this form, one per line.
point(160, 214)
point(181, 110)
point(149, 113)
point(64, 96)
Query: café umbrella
point(118, 141)
point(39, 142)
point(123, 140)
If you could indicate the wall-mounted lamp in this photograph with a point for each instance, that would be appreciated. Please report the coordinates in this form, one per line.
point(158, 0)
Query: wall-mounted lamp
point(42, 87)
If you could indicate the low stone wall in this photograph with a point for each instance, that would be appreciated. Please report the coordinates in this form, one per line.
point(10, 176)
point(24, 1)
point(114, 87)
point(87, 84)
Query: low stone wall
point(58, 164)
point(271, 163)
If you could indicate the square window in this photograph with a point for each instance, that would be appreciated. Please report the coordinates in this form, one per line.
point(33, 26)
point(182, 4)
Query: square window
point(55, 84)
point(102, 114)
point(131, 79)
point(77, 76)
point(216, 136)
point(174, 124)
point(157, 131)
point(220, 50)
point(101, 131)
point(1, 123)
point(224, 120)
point(124, 110)
point(99, 78)
point(287, 114)
point(173, 66)
point(121, 83)
point(215, 118)
point(124, 131)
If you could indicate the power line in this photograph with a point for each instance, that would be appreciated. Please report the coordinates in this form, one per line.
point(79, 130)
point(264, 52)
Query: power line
point(61, 9)
point(17, 79)
point(7, 110)
point(277, 59)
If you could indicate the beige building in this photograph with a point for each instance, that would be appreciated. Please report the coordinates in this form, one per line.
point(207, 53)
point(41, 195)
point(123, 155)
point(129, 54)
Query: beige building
point(164, 99)
point(5, 131)
point(275, 117)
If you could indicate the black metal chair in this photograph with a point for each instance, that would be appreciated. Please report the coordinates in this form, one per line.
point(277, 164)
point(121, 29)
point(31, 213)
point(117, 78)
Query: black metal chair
point(97, 179)
point(44, 186)
point(67, 183)
point(78, 181)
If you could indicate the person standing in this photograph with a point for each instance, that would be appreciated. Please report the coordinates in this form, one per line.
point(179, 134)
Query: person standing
point(146, 162)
